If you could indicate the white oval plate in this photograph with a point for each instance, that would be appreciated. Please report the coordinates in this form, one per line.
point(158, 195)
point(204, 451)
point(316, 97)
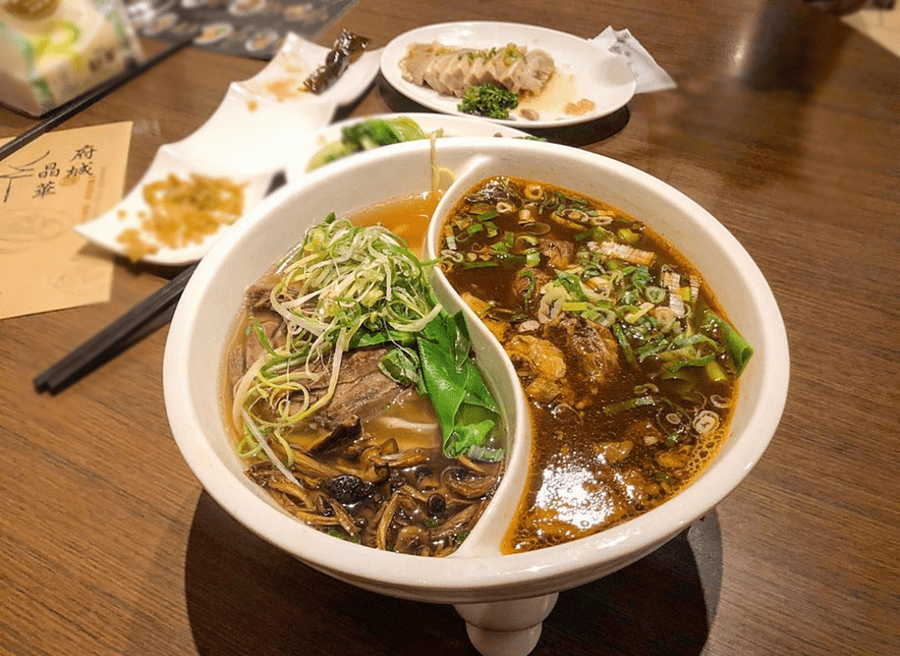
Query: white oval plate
point(453, 126)
point(599, 76)
point(273, 119)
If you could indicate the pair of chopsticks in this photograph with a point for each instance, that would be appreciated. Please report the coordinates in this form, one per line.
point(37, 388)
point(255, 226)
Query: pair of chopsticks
point(153, 312)
point(65, 112)
point(148, 315)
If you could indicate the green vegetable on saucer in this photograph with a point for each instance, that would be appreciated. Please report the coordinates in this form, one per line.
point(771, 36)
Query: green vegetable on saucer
point(366, 135)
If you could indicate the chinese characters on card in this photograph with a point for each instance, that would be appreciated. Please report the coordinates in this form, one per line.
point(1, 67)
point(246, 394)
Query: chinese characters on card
point(46, 188)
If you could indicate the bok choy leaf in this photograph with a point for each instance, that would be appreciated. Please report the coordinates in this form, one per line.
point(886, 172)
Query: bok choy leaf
point(365, 135)
point(465, 408)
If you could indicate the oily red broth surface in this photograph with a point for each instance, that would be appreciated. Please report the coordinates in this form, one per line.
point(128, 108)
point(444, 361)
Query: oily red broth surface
point(615, 433)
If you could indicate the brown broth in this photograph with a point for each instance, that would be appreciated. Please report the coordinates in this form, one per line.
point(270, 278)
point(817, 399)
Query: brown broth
point(392, 487)
point(406, 217)
point(593, 464)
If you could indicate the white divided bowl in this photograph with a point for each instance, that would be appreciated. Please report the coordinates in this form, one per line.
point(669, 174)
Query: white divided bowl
point(503, 598)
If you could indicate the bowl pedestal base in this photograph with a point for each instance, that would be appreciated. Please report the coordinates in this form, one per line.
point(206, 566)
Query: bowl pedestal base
point(506, 628)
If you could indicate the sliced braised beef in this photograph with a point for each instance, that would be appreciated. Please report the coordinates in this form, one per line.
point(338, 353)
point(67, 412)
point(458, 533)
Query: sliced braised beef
point(258, 296)
point(345, 432)
point(362, 389)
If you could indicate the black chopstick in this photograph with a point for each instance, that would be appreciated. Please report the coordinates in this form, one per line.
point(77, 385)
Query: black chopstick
point(68, 110)
point(151, 313)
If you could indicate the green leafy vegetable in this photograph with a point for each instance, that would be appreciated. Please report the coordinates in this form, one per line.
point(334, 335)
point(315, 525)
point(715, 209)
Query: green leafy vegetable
point(365, 135)
point(465, 408)
point(381, 132)
point(488, 100)
point(401, 365)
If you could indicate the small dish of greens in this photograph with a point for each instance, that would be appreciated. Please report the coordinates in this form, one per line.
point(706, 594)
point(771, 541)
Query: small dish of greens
point(358, 135)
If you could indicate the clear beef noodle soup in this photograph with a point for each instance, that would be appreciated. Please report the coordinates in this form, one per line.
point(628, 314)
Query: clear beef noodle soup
point(629, 365)
point(331, 383)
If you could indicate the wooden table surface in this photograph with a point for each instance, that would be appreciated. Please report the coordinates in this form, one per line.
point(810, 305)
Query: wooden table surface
point(784, 126)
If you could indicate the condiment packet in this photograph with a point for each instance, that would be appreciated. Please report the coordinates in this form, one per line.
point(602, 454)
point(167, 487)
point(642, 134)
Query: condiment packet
point(649, 75)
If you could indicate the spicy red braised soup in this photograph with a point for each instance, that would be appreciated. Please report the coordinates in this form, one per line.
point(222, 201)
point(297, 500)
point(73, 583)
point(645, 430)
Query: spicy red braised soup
point(628, 363)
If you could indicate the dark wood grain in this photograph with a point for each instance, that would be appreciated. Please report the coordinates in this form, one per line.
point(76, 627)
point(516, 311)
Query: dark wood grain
point(785, 125)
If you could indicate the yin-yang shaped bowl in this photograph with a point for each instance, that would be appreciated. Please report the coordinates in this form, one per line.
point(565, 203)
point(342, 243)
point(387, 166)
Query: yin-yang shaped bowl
point(503, 597)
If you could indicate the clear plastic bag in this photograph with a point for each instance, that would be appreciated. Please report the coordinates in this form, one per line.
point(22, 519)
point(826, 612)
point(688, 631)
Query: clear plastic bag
point(55, 50)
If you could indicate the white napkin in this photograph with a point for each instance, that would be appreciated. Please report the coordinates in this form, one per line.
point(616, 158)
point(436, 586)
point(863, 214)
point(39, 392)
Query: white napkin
point(649, 75)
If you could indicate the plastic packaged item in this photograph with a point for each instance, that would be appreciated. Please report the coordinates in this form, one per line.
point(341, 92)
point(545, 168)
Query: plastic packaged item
point(54, 50)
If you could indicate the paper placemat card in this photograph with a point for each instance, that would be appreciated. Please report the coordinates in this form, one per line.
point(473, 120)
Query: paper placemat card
point(46, 188)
